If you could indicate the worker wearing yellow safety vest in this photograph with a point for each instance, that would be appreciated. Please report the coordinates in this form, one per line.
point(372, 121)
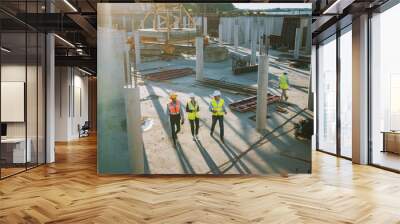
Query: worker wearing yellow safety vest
point(192, 108)
point(176, 115)
point(217, 107)
point(284, 86)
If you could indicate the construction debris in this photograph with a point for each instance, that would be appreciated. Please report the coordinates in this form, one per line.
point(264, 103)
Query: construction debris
point(250, 104)
point(169, 74)
point(233, 87)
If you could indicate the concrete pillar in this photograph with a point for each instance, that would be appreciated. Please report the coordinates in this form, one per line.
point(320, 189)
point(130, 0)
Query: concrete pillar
point(253, 44)
point(360, 90)
point(199, 58)
point(205, 26)
point(133, 128)
point(185, 21)
point(220, 34)
point(137, 49)
point(158, 22)
point(236, 33)
point(297, 43)
point(248, 32)
point(309, 37)
point(50, 92)
point(262, 91)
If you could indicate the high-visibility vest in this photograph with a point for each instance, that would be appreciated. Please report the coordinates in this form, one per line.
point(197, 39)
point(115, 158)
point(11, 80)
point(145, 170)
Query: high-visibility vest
point(218, 107)
point(174, 109)
point(194, 114)
point(283, 82)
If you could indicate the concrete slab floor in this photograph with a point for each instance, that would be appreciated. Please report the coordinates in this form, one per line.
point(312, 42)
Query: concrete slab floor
point(280, 154)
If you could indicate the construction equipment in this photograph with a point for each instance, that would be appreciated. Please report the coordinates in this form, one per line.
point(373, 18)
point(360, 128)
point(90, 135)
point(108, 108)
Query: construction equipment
point(241, 63)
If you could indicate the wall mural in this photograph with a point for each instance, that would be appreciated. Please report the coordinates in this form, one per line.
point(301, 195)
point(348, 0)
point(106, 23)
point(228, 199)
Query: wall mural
point(204, 88)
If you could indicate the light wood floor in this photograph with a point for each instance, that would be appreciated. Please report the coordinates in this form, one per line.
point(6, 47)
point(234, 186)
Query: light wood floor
point(70, 191)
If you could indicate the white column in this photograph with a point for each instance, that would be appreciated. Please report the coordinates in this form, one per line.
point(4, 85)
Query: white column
point(184, 22)
point(50, 96)
point(220, 33)
point(297, 42)
point(236, 33)
point(360, 90)
point(137, 49)
point(133, 127)
point(199, 58)
point(262, 91)
point(248, 32)
point(204, 26)
point(158, 22)
point(253, 36)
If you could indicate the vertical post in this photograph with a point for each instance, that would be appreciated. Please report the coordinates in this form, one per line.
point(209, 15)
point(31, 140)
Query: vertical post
point(137, 49)
point(360, 90)
point(297, 42)
point(262, 89)
point(220, 33)
point(50, 94)
point(185, 22)
point(253, 36)
point(158, 22)
point(236, 33)
point(199, 58)
point(204, 26)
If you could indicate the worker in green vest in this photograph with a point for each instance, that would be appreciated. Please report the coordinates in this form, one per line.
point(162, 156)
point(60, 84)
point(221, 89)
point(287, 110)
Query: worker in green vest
point(284, 86)
point(217, 108)
point(192, 108)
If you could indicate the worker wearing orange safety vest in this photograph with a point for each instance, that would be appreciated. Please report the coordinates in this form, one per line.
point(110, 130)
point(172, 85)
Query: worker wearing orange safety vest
point(284, 86)
point(217, 108)
point(176, 115)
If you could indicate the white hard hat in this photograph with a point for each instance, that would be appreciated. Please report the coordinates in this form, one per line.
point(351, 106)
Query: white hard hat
point(191, 95)
point(217, 93)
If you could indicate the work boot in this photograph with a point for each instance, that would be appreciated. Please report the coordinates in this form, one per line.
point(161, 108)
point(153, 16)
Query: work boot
point(222, 140)
point(194, 138)
point(211, 134)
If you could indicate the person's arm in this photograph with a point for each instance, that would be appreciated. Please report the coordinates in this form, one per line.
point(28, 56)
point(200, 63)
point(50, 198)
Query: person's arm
point(167, 111)
point(182, 109)
point(210, 107)
point(187, 108)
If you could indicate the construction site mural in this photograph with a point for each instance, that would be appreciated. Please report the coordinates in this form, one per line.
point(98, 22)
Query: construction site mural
point(213, 88)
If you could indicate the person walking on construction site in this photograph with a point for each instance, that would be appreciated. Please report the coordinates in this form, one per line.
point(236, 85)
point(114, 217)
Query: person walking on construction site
point(176, 115)
point(217, 108)
point(284, 86)
point(192, 108)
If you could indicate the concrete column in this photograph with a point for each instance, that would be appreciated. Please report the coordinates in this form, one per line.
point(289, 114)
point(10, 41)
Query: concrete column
point(199, 58)
point(236, 33)
point(220, 34)
point(205, 26)
point(360, 90)
point(309, 37)
point(50, 98)
point(50, 92)
point(253, 44)
point(248, 31)
point(133, 128)
point(158, 22)
point(297, 42)
point(137, 49)
point(185, 21)
point(262, 91)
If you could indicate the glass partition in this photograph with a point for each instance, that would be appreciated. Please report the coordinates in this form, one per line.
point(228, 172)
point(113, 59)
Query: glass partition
point(327, 96)
point(385, 89)
point(346, 92)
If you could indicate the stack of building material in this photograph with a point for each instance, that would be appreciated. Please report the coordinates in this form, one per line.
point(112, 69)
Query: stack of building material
point(224, 85)
point(169, 74)
point(250, 104)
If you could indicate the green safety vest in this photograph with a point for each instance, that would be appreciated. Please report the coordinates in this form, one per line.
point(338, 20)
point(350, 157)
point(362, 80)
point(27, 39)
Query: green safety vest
point(194, 114)
point(218, 108)
point(283, 82)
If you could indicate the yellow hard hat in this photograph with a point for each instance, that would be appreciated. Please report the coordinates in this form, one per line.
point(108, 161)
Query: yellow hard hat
point(173, 95)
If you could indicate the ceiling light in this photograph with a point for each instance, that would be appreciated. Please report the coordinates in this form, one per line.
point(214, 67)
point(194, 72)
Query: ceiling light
point(64, 40)
point(70, 5)
point(84, 71)
point(5, 50)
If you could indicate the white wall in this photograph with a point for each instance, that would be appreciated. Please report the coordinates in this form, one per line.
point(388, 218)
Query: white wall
point(71, 102)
